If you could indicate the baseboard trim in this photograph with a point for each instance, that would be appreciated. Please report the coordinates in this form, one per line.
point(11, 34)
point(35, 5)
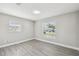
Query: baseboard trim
point(13, 43)
point(59, 44)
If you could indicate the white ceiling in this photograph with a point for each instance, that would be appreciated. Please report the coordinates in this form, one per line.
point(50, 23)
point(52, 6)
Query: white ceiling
point(25, 10)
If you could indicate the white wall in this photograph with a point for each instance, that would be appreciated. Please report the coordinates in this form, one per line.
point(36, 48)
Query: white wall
point(77, 44)
point(67, 32)
point(67, 29)
point(8, 37)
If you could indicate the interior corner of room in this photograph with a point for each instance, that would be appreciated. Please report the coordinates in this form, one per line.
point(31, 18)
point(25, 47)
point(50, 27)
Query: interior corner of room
point(56, 24)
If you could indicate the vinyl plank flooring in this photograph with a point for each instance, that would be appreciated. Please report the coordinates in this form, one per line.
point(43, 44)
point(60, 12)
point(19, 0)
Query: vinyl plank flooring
point(37, 48)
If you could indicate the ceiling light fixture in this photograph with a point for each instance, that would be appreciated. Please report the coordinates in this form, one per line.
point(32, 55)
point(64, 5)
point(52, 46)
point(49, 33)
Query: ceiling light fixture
point(36, 12)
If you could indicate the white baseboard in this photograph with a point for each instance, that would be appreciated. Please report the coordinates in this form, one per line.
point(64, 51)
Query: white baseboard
point(13, 43)
point(59, 44)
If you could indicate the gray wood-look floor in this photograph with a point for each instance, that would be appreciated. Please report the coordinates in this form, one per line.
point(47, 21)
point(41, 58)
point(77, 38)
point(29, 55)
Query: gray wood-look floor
point(37, 48)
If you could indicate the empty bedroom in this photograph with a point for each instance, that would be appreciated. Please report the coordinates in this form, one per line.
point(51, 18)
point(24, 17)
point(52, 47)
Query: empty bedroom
point(39, 29)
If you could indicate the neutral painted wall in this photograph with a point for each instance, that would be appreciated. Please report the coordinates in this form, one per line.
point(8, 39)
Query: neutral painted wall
point(7, 37)
point(67, 29)
point(77, 30)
